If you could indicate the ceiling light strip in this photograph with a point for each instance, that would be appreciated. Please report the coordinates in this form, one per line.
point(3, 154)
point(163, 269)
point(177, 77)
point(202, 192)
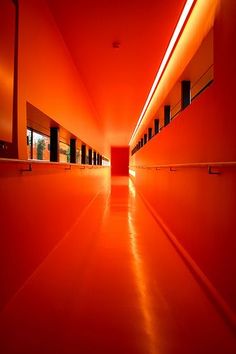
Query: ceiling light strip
point(174, 38)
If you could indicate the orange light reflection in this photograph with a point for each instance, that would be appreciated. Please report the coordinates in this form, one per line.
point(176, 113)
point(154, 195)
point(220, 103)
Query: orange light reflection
point(196, 28)
point(141, 279)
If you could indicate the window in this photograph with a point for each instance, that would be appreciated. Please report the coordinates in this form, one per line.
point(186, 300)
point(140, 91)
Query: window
point(39, 128)
point(105, 161)
point(29, 143)
point(78, 155)
point(64, 152)
point(38, 145)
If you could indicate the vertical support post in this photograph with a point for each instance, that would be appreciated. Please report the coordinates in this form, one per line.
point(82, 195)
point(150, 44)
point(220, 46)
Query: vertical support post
point(141, 142)
point(90, 156)
point(185, 93)
point(145, 139)
point(166, 115)
point(149, 133)
point(54, 144)
point(100, 162)
point(98, 159)
point(83, 154)
point(72, 150)
point(156, 126)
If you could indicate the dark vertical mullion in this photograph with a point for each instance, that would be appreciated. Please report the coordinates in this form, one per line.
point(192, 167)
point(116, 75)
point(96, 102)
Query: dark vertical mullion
point(149, 133)
point(54, 144)
point(72, 150)
point(31, 144)
point(156, 126)
point(185, 93)
point(83, 154)
point(166, 115)
point(145, 139)
point(90, 156)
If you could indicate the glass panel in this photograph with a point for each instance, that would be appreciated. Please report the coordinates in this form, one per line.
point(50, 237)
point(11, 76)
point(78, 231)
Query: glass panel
point(41, 147)
point(29, 141)
point(64, 152)
point(78, 155)
point(105, 162)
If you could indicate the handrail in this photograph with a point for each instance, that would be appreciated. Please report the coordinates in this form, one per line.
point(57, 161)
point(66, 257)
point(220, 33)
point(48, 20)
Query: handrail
point(66, 165)
point(173, 167)
point(200, 77)
point(190, 164)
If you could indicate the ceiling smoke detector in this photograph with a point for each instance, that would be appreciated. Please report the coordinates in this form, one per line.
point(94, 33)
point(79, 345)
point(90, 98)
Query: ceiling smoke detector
point(116, 44)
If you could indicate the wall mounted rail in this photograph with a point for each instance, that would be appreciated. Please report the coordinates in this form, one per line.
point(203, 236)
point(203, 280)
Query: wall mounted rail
point(212, 167)
point(29, 165)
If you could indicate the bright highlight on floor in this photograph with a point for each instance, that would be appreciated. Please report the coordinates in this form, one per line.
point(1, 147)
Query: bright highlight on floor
point(115, 285)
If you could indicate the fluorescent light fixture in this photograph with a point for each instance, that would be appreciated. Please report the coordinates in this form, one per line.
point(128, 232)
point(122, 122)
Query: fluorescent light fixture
point(174, 38)
point(132, 173)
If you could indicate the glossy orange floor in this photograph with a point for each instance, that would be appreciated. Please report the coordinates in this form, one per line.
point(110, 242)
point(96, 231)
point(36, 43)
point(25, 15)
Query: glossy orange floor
point(114, 285)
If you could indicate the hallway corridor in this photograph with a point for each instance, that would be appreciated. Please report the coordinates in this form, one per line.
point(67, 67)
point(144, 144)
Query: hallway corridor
point(113, 285)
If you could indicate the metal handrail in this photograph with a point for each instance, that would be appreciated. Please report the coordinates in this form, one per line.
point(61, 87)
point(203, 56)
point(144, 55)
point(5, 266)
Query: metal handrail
point(66, 165)
point(172, 167)
point(191, 164)
point(200, 77)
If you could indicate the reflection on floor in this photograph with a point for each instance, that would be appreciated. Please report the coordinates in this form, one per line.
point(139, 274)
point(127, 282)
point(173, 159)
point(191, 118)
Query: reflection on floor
point(113, 285)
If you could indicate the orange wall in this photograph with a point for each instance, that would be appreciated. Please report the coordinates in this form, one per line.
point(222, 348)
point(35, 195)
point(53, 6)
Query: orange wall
point(49, 79)
point(37, 209)
point(7, 43)
point(200, 208)
point(119, 161)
